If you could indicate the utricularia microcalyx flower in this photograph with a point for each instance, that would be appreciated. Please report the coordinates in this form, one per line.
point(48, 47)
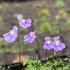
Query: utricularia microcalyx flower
point(25, 23)
point(11, 35)
point(48, 43)
point(30, 37)
point(56, 44)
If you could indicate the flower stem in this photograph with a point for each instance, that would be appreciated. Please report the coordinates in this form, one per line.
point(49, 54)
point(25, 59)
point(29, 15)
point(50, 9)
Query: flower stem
point(37, 43)
point(37, 53)
point(54, 53)
point(19, 46)
point(45, 55)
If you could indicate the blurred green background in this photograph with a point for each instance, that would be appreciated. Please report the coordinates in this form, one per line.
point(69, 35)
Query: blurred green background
point(50, 18)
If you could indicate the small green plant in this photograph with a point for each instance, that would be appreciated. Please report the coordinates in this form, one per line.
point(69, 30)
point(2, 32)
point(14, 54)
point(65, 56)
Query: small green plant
point(0, 67)
point(3, 8)
point(9, 68)
point(1, 19)
point(67, 24)
point(43, 13)
point(62, 14)
point(37, 4)
point(31, 64)
point(59, 4)
point(58, 64)
point(15, 15)
point(45, 27)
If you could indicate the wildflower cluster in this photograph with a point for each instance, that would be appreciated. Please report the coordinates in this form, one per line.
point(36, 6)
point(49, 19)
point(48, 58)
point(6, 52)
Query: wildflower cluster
point(12, 34)
point(30, 37)
point(56, 44)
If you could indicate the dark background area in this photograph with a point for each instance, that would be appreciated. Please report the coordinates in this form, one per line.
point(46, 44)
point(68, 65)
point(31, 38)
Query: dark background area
point(16, 0)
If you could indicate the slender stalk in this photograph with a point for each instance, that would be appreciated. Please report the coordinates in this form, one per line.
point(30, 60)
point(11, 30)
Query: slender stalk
point(54, 53)
point(52, 66)
point(0, 68)
point(52, 20)
point(37, 43)
point(45, 54)
point(19, 54)
point(19, 46)
point(37, 53)
point(52, 60)
point(69, 60)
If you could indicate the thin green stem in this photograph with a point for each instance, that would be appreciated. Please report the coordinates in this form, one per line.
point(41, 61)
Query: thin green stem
point(45, 55)
point(52, 61)
point(19, 46)
point(52, 66)
point(54, 53)
point(37, 53)
point(37, 43)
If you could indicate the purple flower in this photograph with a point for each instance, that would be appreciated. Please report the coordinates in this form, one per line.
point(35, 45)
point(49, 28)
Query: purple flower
point(23, 22)
point(57, 45)
point(11, 35)
point(30, 37)
point(48, 43)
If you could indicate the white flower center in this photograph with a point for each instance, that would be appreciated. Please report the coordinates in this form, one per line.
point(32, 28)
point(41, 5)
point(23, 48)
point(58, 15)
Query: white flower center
point(23, 21)
point(31, 33)
point(48, 42)
point(57, 42)
point(12, 32)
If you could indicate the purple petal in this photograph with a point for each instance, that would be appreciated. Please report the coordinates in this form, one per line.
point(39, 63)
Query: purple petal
point(19, 17)
point(30, 38)
point(62, 45)
point(44, 46)
point(15, 28)
point(47, 38)
point(58, 47)
point(10, 38)
point(11, 35)
point(6, 37)
point(47, 46)
point(29, 21)
point(25, 24)
point(11, 32)
point(27, 37)
point(54, 46)
point(21, 24)
point(14, 36)
point(56, 38)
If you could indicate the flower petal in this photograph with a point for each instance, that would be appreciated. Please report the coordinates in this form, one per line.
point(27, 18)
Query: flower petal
point(56, 38)
point(11, 35)
point(15, 28)
point(47, 38)
point(30, 38)
point(29, 21)
point(47, 44)
point(19, 17)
